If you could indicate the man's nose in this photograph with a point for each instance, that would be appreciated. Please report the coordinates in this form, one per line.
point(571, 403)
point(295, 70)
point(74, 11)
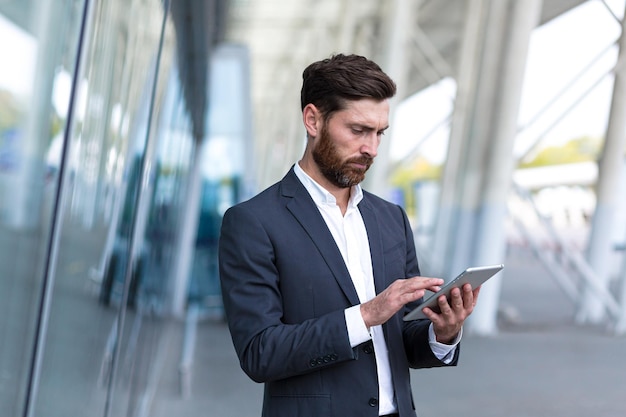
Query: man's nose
point(370, 145)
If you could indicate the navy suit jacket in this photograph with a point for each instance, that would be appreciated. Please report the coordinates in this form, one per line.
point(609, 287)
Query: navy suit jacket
point(285, 288)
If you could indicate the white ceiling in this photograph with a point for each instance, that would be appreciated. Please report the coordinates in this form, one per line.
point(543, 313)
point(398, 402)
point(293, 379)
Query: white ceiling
point(284, 36)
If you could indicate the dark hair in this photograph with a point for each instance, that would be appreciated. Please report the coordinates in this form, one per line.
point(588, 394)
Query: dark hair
point(327, 84)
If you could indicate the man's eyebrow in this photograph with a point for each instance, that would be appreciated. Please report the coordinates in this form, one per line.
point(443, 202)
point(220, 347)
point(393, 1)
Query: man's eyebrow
point(367, 127)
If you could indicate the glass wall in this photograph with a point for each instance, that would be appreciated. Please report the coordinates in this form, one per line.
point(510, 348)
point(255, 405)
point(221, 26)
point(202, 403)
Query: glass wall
point(33, 106)
point(100, 175)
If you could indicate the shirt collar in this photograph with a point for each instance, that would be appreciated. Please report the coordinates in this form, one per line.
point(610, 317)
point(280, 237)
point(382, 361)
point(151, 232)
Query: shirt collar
point(322, 196)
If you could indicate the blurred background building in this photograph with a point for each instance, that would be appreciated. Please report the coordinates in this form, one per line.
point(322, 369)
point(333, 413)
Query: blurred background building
point(128, 127)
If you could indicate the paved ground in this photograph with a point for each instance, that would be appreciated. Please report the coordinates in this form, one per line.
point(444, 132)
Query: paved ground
point(540, 364)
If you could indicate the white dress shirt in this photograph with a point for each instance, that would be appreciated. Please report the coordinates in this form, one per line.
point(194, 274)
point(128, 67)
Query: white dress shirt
point(350, 234)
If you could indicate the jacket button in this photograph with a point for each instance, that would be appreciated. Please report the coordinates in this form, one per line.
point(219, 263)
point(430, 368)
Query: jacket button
point(368, 348)
point(373, 402)
point(312, 363)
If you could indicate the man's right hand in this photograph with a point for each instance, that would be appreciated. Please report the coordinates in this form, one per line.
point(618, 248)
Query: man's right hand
point(402, 291)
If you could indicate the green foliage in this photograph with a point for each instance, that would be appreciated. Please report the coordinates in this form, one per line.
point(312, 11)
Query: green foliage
point(56, 124)
point(420, 169)
point(582, 149)
point(9, 111)
point(405, 177)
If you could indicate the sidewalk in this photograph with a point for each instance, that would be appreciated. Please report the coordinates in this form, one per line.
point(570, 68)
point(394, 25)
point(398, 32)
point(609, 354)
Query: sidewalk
point(542, 364)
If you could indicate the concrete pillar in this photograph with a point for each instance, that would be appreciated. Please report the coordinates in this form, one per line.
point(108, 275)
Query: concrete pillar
point(600, 243)
point(466, 79)
point(347, 26)
point(27, 184)
point(490, 237)
point(477, 140)
point(401, 19)
point(620, 327)
point(185, 246)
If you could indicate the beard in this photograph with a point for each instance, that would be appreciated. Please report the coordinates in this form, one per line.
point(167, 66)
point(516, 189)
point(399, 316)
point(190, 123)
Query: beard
point(340, 173)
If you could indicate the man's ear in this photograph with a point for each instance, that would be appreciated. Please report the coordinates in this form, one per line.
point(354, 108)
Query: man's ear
point(311, 117)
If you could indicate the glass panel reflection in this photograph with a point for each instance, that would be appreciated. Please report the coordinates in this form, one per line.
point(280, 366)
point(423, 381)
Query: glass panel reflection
point(132, 297)
point(31, 119)
point(95, 340)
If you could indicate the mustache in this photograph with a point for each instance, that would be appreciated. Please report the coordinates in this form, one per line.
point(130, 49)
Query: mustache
point(364, 160)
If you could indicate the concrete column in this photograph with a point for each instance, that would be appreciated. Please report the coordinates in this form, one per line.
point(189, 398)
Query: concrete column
point(490, 237)
point(185, 247)
point(600, 243)
point(466, 79)
point(345, 41)
point(401, 19)
point(620, 327)
point(27, 185)
point(477, 140)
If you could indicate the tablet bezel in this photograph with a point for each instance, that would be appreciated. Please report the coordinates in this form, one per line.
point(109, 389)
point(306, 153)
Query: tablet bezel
point(475, 276)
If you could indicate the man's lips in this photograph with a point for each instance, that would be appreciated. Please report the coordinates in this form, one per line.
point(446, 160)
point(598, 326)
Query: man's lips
point(357, 165)
point(361, 165)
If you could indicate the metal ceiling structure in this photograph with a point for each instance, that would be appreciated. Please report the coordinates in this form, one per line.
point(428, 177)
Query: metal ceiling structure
point(286, 35)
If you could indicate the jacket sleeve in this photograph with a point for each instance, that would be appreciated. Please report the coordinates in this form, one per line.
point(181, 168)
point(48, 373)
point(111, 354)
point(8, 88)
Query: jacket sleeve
point(269, 348)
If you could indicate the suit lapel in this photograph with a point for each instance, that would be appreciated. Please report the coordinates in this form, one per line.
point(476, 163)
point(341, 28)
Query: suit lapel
point(375, 240)
point(303, 208)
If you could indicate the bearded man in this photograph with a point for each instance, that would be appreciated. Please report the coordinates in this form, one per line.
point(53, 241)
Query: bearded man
point(317, 273)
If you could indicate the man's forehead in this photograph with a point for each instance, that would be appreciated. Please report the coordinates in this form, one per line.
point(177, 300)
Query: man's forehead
point(366, 112)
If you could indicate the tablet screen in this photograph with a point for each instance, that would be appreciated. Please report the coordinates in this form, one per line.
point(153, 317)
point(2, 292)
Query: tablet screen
point(475, 276)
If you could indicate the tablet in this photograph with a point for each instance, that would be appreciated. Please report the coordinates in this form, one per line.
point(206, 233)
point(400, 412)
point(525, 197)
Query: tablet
point(474, 275)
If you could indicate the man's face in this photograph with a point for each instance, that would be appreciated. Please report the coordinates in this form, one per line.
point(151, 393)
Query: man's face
point(348, 141)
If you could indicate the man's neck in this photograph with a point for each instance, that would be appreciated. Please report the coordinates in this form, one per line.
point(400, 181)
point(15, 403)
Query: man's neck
point(341, 194)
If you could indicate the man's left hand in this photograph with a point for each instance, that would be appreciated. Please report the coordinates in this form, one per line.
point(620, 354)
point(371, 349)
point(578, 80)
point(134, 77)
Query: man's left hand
point(447, 324)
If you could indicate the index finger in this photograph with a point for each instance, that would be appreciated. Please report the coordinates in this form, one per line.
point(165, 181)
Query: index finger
point(426, 283)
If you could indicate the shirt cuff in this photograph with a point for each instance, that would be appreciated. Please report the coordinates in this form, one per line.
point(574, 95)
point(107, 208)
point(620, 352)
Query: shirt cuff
point(357, 330)
point(443, 351)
